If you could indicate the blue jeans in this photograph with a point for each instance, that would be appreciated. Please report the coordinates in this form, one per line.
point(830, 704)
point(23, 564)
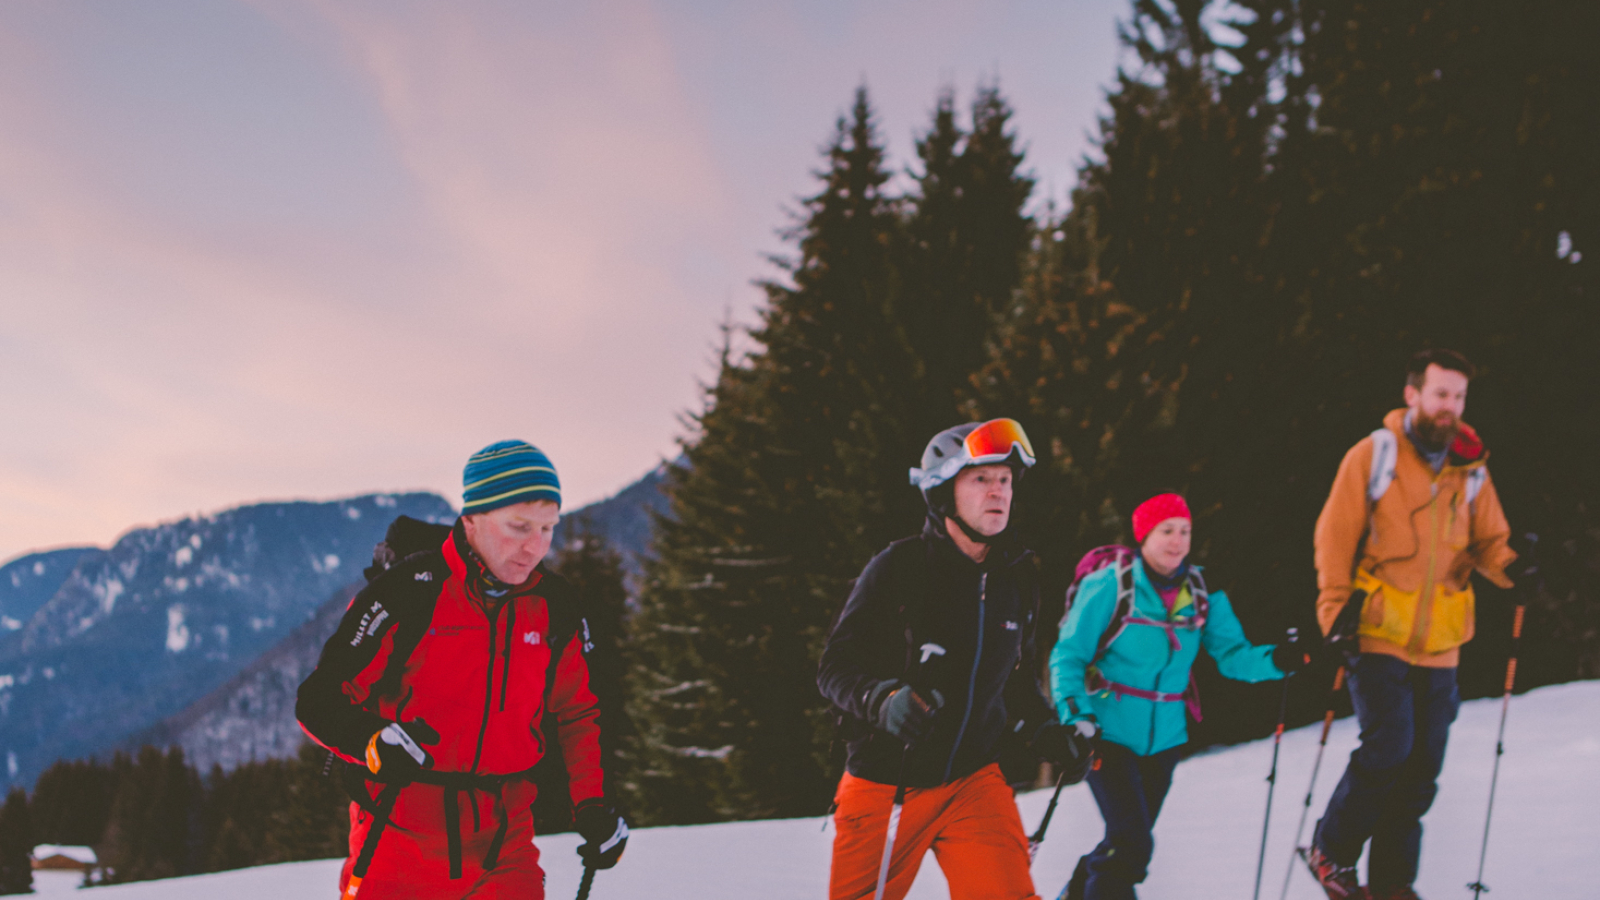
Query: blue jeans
point(1129, 790)
point(1405, 713)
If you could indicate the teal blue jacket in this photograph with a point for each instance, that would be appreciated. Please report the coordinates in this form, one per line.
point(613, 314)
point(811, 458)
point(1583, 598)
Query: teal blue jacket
point(1143, 657)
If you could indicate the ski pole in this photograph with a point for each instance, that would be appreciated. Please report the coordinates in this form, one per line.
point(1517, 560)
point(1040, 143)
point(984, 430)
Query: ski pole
point(1038, 836)
point(1305, 810)
point(587, 882)
point(1272, 774)
point(1478, 888)
point(929, 650)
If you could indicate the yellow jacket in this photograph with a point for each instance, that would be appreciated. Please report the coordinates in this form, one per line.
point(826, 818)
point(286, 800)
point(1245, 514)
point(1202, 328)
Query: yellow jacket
point(1421, 539)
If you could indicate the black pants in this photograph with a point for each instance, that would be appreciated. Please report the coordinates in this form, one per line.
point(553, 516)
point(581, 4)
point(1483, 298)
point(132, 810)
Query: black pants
point(1129, 790)
point(1405, 713)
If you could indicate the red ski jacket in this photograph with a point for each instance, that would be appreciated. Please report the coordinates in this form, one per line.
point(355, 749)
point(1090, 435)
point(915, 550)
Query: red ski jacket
point(425, 641)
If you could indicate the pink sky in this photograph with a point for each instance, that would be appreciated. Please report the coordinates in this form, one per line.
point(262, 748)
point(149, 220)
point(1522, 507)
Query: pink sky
point(314, 248)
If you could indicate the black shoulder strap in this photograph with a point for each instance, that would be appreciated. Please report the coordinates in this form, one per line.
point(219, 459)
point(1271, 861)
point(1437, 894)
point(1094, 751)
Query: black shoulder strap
point(565, 621)
point(1119, 615)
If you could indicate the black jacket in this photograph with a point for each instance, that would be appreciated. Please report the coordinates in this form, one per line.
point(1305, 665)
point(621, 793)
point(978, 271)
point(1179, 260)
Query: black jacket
point(923, 589)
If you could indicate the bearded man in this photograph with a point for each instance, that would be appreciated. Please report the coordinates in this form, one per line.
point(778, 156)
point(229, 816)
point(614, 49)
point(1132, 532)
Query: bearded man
point(1413, 512)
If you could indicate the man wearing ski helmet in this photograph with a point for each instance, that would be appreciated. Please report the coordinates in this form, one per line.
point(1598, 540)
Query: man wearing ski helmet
point(434, 687)
point(932, 661)
point(1412, 513)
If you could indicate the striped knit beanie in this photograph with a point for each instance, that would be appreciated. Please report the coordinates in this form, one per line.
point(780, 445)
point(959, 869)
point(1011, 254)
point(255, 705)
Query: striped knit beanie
point(505, 473)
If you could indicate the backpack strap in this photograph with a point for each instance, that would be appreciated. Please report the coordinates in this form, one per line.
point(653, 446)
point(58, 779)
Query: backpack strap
point(1475, 481)
point(1119, 616)
point(1200, 595)
point(1380, 475)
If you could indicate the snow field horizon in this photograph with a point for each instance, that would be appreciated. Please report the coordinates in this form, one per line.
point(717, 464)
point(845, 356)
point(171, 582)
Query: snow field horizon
point(1206, 840)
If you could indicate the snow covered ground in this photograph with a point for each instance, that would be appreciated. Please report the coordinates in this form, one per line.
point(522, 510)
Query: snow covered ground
point(1544, 839)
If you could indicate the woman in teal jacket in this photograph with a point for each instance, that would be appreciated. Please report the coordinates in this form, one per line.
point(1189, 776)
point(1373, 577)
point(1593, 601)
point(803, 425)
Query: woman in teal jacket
point(1129, 681)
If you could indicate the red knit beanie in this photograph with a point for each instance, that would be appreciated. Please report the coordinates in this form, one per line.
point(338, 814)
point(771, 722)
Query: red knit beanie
point(1156, 510)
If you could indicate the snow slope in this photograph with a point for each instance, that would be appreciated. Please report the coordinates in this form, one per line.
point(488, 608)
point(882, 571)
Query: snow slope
point(1545, 827)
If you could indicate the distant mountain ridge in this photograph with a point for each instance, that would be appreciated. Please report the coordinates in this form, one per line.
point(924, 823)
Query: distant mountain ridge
point(28, 582)
point(169, 613)
point(251, 717)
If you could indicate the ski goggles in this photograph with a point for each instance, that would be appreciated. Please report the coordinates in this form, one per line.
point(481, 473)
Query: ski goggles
point(995, 441)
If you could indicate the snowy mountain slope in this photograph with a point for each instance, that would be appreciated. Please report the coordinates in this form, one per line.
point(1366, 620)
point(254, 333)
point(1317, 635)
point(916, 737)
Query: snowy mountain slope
point(251, 717)
point(1543, 841)
point(171, 612)
point(29, 581)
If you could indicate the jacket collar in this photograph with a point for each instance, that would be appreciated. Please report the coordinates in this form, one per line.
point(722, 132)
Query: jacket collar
point(1003, 553)
point(1466, 451)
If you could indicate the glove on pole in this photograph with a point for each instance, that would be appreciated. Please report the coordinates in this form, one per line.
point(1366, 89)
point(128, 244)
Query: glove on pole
point(929, 651)
point(1334, 640)
point(1529, 576)
point(1081, 734)
point(1038, 836)
point(1272, 774)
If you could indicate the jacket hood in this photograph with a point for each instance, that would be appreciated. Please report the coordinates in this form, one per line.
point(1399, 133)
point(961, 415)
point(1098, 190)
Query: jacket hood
point(1465, 450)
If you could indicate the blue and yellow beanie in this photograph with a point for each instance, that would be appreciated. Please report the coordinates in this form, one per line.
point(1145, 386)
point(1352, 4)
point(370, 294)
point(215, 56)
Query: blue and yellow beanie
point(507, 472)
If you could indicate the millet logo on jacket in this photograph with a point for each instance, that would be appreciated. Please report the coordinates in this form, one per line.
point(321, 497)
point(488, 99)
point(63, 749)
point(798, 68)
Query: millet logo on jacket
point(531, 637)
point(370, 620)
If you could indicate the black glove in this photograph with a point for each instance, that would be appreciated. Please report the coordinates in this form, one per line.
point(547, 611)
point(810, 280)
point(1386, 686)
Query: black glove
point(1070, 748)
point(604, 831)
point(1342, 636)
point(898, 709)
point(1292, 655)
point(396, 750)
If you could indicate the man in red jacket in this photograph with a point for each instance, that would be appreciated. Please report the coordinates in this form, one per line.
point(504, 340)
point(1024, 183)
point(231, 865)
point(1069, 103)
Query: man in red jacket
point(435, 684)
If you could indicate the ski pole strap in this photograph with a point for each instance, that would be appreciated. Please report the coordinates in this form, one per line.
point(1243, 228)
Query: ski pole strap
point(452, 829)
point(454, 783)
point(1096, 683)
point(380, 820)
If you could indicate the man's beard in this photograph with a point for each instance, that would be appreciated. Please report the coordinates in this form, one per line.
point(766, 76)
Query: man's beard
point(1438, 430)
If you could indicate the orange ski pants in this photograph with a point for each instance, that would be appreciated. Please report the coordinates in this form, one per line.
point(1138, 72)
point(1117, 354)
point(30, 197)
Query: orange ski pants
point(970, 824)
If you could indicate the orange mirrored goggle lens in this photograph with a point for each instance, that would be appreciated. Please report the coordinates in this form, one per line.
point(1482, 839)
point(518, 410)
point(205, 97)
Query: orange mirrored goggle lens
point(996, 438)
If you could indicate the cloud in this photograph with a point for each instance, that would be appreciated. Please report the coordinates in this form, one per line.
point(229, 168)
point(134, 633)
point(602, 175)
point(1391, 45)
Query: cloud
point(284, 248)
point(546, 277)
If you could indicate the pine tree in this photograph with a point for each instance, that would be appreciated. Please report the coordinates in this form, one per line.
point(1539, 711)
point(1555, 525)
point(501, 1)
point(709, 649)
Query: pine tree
point(312, 817)
point(148, 834)
point(968, 235)
point(785, 495)
point(16, 844)
point(72, 801)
